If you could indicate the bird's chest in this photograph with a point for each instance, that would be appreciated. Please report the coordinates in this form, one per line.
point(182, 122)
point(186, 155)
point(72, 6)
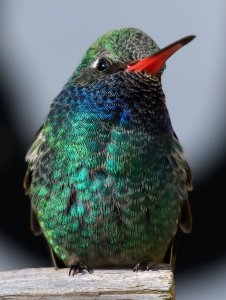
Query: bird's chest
point(110, 162)
point(116, 173)
point(112, 191)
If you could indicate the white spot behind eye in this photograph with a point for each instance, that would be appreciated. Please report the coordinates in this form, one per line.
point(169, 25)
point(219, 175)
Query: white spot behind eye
point(94, 64)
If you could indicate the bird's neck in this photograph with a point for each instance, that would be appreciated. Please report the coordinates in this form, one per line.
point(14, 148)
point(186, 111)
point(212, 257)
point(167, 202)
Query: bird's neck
point(143, 109)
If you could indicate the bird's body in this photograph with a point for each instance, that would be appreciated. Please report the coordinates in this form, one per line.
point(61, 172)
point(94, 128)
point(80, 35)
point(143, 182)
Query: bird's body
point(107, 178)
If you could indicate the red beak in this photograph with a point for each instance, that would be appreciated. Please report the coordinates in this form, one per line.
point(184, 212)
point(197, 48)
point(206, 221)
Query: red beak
point(153, 63)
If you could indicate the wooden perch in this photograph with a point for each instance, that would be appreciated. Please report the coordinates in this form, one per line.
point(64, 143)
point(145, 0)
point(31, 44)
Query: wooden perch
point(48, 283)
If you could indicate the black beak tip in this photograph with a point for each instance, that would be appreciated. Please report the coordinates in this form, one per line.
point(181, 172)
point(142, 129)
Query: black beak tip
point(187, 39)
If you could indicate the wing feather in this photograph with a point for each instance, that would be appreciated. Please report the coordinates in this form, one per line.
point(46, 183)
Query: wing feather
point(185, 222)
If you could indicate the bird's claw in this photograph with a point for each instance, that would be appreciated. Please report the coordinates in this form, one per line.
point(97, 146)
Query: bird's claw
point(78, 268)
point(144, 265)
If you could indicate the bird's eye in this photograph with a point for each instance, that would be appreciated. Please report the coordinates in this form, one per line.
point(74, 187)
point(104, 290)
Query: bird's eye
point(101, 64)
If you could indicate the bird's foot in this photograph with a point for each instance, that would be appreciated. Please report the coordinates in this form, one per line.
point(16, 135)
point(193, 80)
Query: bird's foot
point(79, 268)
point(144, 265)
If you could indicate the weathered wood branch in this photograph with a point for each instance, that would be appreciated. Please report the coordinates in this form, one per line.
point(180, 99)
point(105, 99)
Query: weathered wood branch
point(47, 283)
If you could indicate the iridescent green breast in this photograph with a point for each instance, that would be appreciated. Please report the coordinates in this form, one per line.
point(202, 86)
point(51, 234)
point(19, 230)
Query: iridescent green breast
point(109, 195)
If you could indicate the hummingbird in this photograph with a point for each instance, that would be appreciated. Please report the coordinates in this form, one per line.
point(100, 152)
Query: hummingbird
point(107, 177)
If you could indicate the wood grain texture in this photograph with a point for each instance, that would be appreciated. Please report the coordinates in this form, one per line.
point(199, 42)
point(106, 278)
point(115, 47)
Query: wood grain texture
point(48, 283)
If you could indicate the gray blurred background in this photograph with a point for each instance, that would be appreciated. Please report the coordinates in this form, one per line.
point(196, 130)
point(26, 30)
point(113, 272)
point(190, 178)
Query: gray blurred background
point(41, 43)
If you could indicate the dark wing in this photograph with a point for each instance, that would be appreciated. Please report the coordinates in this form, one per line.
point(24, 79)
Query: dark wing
point(31, 157)
point(185, 225)
point(186, 218)
point(185, 222)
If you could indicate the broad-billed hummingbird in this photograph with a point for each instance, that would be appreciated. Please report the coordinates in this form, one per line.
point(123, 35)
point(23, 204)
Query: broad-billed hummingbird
point(107, 177)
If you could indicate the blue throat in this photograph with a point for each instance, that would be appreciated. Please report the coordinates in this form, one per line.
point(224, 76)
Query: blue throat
point(119, 105)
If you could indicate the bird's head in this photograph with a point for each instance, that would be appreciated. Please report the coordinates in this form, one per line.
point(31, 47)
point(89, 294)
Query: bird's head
point(124, 50)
